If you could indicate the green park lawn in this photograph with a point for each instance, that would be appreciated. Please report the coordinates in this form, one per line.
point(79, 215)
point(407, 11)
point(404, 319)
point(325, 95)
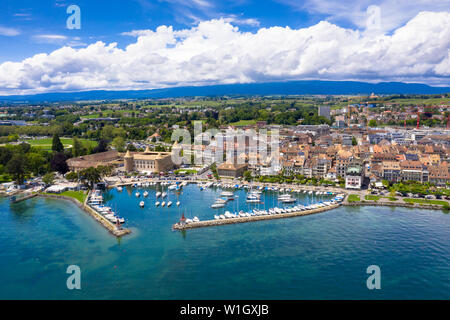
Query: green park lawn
point(353, 198)
point(79, 195)
point(67, 142)
point(372, 197)
point(426, 201)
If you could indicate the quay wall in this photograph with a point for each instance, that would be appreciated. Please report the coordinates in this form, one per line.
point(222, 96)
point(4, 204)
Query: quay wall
point(393, 204)
point(209, 223)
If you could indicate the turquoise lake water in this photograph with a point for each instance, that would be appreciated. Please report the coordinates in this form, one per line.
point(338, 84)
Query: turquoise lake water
point(322, 256)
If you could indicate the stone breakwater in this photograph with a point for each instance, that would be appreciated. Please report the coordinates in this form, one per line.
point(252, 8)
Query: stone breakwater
point(210, 223)
point(112, 228)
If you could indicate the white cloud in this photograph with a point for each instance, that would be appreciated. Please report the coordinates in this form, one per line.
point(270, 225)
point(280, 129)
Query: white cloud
point(9, 32)
point(51, 37)
point(242, 21)
point(136, 33)
point(394, 13)
point(215, 52)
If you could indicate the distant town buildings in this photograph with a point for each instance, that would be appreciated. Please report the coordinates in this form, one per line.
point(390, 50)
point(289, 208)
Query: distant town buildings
point(324, 111)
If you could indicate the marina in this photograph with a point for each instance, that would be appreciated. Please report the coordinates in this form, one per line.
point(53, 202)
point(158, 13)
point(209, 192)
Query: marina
point(231, 203)
point(239, 261)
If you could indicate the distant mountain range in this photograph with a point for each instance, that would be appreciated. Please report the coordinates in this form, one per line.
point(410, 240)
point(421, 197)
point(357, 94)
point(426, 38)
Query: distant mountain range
point(313, 87)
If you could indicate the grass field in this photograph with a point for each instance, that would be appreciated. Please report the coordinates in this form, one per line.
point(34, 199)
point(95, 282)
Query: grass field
point(79, 195)
point(372, 197)
point(244, 123)
point(67, 142)
point(426, 201)
point(353, 198)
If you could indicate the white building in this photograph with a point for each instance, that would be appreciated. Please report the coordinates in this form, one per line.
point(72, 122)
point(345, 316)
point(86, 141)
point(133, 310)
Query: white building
point(354, 177)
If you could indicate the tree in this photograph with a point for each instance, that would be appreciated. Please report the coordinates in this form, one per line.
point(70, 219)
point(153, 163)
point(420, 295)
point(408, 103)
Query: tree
point(16, 167)
point(48, 178)
point(5, 155)
point(354, 141)
point(72, 176)
point(57, 146)
point(102, 146)
point(247, 175)
point(104, 171)
point(58, 163)
point(373, 123)
point(131, 147)
point(36, 163)
point(78, 148)
point(91, 176)
point(119, 143)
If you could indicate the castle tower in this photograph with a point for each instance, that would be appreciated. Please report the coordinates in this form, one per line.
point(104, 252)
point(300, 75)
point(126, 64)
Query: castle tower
point(128, 161)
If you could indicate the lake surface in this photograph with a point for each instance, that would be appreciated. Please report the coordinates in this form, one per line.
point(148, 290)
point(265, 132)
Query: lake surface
point(322, 256)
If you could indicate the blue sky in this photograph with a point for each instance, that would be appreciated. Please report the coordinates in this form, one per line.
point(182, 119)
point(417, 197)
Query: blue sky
point(121, 44)
point(104, 20)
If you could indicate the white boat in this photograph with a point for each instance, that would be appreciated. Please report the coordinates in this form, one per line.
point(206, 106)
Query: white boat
point(220, 200)
point(227, 194)
point(145, 194)
point(163, 194)
point(137, 194)
point(222, 217)
point(169, 203)
point(216, 217)
point(178, 203)
point(119, 189)
point(157, 203)
point(217, 205)
point(141, 204)
point(158, 194)
point(163, 204)
point(114, 219)
point(196, 219)
point(172, 187)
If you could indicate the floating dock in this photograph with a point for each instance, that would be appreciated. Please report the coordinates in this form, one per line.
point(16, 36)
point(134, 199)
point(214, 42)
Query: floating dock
point(210, 223)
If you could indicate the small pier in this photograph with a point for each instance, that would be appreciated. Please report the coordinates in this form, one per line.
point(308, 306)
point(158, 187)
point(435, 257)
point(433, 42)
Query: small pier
point(14, 199)
point(210, 223)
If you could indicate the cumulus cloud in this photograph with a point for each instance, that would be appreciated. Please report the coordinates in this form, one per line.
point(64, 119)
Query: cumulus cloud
point(394, 13)
point(216, 51)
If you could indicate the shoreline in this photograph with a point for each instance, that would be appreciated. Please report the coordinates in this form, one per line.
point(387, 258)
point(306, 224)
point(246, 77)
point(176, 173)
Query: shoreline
point(388, 204)
point(91, 212)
